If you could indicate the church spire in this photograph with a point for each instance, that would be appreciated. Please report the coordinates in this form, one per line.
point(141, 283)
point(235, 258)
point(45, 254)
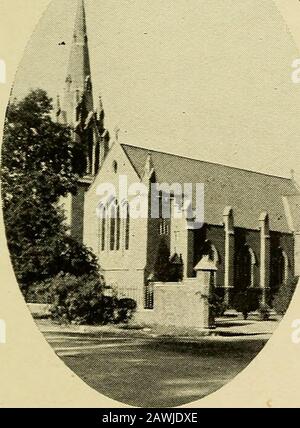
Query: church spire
point(78, 80)
point(78, 112)
point(80, 32)
point(78, 107)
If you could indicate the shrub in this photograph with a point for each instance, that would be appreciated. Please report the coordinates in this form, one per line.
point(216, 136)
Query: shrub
point(81, 300)
point(39, 292)
point(246, 301)
point(125, 309)
point(264, 312)
point(217, 305)
point(283, 297)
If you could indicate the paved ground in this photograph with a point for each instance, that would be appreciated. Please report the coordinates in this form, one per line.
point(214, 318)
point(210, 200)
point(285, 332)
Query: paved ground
point(224, 327)
point(157, 368)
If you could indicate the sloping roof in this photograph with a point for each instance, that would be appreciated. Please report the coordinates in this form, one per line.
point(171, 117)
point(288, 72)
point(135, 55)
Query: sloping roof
point(248, 193)
point(292, 209)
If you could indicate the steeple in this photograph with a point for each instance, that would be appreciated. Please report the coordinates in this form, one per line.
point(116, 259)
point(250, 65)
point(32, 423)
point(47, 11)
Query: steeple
point(77, 109)
point(78, 80)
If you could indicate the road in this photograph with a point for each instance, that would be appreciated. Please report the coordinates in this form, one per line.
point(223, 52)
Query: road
point(146, 372)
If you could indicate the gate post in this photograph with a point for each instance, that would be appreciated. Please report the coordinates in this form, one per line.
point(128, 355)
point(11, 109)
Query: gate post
point(205, 275)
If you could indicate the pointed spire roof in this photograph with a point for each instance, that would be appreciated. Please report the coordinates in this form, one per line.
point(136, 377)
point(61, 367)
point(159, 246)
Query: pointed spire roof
point(78, 106)
point(79, 64)
point(78, 79)
point(80, 22)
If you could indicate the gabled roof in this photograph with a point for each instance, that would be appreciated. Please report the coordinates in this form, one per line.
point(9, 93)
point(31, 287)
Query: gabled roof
point(292, 210)
point(248, 193)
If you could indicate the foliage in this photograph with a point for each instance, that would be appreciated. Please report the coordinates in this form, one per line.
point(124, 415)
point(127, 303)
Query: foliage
point(246, 301)
point(167, 269)
point(176, 268)
point(39, 292)
point(217, 305)
point(81, 300)
point(264, 311)
point(126, 308)
point(40, 164)
point(283, 297)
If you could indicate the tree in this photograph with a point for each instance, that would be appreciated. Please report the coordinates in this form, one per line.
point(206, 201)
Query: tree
point(40, 164)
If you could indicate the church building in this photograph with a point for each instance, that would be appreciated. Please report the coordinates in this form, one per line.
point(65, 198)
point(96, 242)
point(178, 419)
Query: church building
point(250, 230)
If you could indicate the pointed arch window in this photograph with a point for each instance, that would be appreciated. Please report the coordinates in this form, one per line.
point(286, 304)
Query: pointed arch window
point(115, 226)
point(279, 268)
point(127, 226)
point(118, 228)
point(103, 229)
point(245, 262)
point(112, 216)
point(102, 221)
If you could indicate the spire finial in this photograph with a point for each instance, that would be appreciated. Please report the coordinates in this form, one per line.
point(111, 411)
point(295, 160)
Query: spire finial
point(79, 70)
point(80, 31)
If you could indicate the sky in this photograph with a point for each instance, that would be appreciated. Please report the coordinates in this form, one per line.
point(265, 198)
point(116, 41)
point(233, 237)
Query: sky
point(204, 79)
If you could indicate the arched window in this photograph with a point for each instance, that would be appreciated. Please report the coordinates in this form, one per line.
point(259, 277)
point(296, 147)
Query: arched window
point(115, 226)
point(101, 236)
point(279, 269)
point(127, 226)
point(245, 261)
point(118, 227)
point(103, 229)
point(112, 216)
point(125, 216)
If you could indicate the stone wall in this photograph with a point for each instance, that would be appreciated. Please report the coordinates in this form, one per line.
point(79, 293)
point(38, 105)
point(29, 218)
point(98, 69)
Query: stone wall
point(183, 304)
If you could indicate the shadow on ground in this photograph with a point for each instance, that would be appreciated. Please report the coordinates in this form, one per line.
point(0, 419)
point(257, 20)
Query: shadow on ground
point(146, 372)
